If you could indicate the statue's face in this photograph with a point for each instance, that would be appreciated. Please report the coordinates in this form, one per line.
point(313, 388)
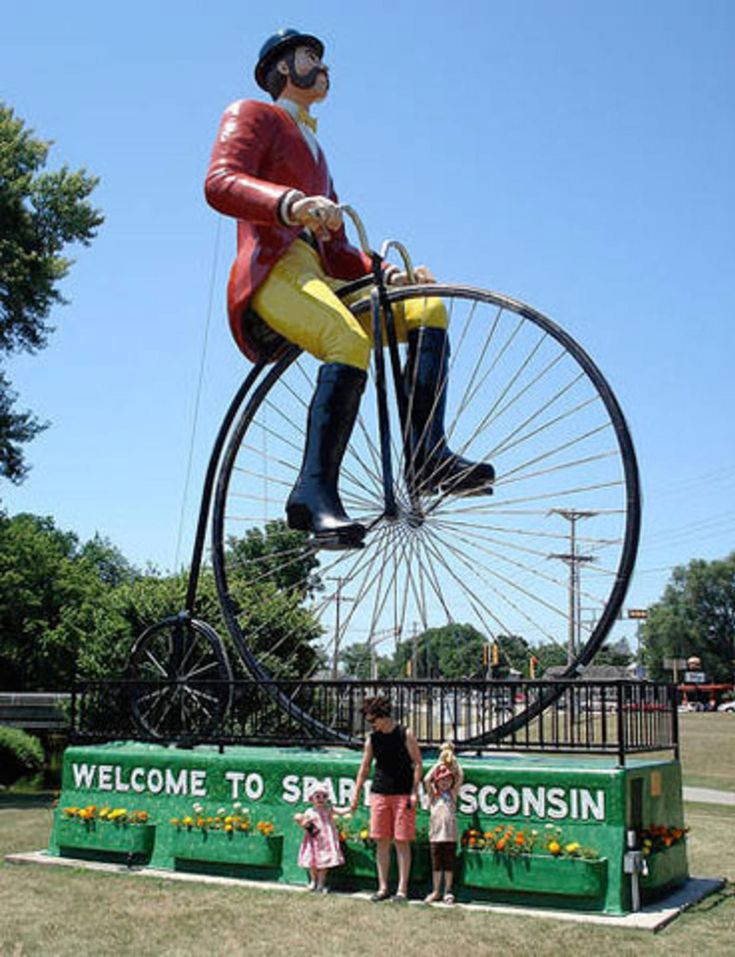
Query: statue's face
point(307, 73)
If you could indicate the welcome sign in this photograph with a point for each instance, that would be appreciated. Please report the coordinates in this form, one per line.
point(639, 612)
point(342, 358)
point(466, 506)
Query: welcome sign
point(585, 800)
point(555, 802)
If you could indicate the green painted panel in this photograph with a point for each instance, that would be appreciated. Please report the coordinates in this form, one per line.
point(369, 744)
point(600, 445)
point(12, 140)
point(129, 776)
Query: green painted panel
point(588, 800)
point(535, 873)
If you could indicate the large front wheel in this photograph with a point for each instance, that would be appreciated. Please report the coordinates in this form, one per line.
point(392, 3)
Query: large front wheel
point(546, 557)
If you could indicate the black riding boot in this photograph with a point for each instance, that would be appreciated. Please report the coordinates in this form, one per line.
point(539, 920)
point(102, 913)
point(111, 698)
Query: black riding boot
point(314, 504)
point(434, 465)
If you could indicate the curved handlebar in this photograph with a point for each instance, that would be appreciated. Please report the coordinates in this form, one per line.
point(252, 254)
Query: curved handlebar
point(385, 248)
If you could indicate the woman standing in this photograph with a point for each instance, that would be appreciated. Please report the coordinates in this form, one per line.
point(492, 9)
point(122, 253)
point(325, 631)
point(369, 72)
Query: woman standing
point(393, 794)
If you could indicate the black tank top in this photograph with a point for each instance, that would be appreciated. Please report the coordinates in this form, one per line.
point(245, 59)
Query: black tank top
point(393, 764)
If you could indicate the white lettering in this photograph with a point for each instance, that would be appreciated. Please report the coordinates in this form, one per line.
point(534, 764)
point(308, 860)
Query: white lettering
point(557, 805)
point(104, 777)
point(346, 788)
point(291, 792)
point(235, 778)
point(483, 798)
point(510, 800)
point(135, 783)
point(254, 786)
point(198, 784)
point(534, 802)
point(307, 783)
point(155, 780)
point(593, 804)
point(176, 784)
point(468, 798)
point(83, 775)
point(574, 804)
point(120, 785)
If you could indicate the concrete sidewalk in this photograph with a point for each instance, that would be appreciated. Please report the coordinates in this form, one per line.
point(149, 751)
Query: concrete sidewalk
point(709, 796)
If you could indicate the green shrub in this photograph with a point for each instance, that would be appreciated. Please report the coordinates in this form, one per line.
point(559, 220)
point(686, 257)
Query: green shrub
point(20, 755)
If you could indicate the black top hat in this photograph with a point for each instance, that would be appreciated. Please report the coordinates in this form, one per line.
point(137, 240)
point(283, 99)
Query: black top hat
point(278, 44)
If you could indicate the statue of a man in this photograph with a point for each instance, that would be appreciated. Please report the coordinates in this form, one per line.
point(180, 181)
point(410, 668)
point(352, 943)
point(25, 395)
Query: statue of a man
point(269, 172)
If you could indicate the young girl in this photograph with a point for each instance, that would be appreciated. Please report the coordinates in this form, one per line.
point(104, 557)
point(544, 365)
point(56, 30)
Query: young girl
point(320, 848)
point(442, 785)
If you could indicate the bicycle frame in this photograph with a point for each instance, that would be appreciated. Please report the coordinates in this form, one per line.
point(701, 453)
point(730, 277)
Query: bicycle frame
point(382, 317)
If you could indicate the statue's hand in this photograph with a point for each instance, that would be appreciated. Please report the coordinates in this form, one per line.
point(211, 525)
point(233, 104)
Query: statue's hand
point(400, 278)
point(316, 213)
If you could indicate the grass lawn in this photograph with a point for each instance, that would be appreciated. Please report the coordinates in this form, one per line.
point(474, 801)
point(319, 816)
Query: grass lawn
point(708, 749)
point(75, 912)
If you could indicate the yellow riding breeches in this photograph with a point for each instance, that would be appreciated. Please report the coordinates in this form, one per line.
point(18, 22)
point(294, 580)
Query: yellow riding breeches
point(299, 301)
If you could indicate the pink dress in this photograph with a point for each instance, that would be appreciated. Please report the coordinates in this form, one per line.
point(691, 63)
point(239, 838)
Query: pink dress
point(322, 849)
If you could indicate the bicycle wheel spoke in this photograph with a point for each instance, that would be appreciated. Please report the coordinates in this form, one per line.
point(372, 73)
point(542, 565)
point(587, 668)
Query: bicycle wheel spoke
point(520, 395)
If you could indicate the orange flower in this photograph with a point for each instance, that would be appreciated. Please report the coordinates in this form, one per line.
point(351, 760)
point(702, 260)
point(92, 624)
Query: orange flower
point(554, 848)
point(500, 844)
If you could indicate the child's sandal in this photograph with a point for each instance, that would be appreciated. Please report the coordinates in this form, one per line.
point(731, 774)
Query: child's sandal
point(448, 899)
point(432, 898)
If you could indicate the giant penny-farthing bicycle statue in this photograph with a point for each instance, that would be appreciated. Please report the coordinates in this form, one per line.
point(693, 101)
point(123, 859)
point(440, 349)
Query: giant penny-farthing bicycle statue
point(541, 472)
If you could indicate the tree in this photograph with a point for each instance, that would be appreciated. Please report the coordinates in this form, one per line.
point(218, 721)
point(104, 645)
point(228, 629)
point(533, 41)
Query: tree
point(44, 580)
point(357, 661)
point(41, 213)
point(695, 616)
point(453, 651)
point(276, 554)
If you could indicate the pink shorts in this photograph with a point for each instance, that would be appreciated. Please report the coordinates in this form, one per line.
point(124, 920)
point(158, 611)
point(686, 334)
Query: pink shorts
point(391, 815)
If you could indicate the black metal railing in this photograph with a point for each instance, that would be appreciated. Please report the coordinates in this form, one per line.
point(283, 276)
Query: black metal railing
point(602, 717)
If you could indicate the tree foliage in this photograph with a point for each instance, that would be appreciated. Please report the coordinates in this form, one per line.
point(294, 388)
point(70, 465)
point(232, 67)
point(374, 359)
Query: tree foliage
point(695, 616)
point(45, 581)
point(452, 651)
point(41, 213)
point(70, 609)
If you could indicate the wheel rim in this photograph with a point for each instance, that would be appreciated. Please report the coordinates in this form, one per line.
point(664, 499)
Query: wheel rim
point(180, 680)
point(522, 395)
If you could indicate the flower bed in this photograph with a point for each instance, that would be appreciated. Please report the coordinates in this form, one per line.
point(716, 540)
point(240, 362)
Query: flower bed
point(228, 847)
point(507, 858)
point(105, 833)
point(536, 873)
point(664, 849)
point(226, 838)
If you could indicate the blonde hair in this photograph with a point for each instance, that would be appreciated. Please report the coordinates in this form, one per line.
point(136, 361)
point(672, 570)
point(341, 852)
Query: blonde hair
point(447, 759)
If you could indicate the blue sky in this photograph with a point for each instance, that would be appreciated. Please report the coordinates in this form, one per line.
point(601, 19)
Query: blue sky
point(575, 155)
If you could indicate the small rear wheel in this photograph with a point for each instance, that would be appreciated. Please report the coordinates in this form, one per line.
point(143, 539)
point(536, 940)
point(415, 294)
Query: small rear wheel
point(180, 679)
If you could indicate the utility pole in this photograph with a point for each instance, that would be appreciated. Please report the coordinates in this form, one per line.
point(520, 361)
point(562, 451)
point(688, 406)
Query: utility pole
point(414, 650)
point(573, 560)
point(337, 623)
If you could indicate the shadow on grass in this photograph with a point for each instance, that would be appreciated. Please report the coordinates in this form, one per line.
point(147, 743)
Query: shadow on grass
point(722, 896)
point(18, 800)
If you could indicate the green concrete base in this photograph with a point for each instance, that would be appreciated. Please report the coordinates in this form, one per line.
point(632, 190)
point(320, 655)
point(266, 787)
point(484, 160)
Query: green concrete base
point(584, 801)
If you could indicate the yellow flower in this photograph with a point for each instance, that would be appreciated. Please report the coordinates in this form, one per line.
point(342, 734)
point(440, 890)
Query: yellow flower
point(572, 848)
point(554, 848)
point(187, 821)
point(364, 834)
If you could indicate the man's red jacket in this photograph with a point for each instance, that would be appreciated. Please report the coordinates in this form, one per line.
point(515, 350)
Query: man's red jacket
point(259, 155)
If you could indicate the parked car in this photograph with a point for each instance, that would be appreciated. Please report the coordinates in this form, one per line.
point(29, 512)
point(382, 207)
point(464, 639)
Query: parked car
point(727, 706)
